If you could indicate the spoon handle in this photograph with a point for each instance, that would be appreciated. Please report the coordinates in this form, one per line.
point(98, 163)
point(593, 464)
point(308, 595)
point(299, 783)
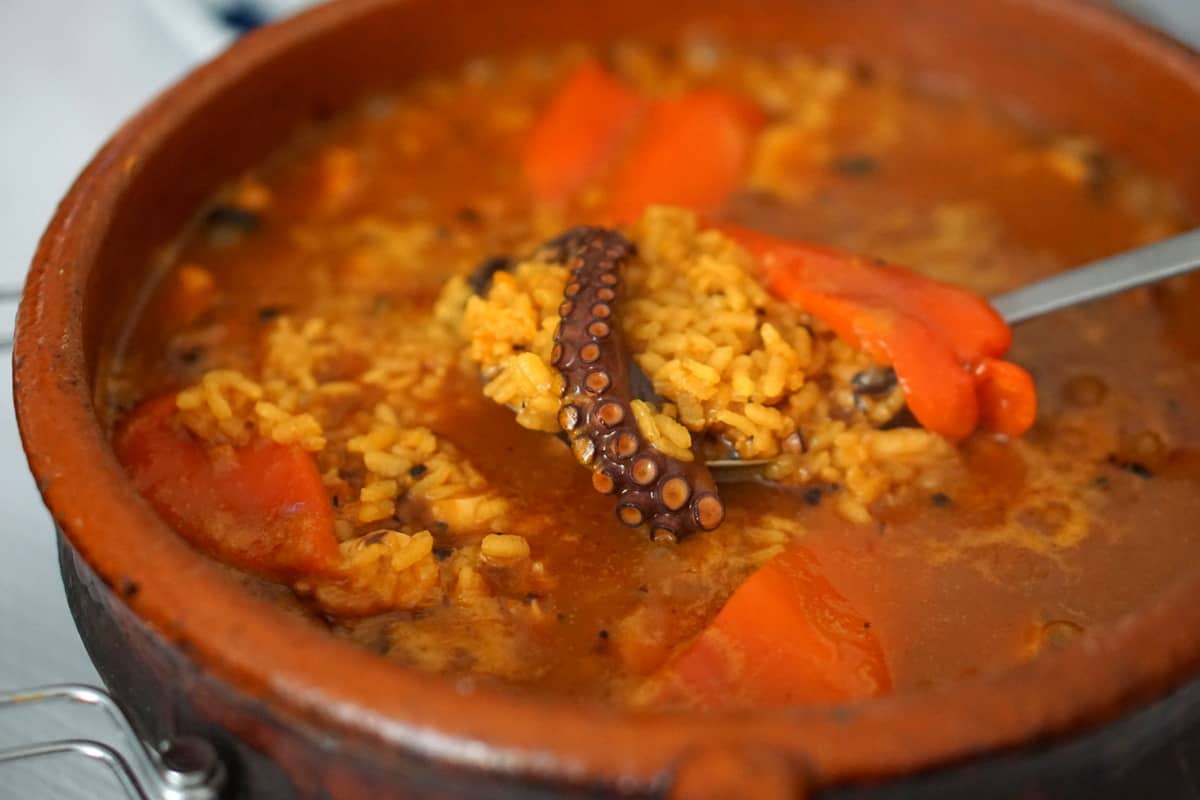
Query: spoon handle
point(1149, 264)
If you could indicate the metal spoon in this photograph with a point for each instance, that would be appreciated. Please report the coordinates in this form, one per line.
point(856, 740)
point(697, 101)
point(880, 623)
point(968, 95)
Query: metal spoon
point(1145, 265)
point(1108, 276)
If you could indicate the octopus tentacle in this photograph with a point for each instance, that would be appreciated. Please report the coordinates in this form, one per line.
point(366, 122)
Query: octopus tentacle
point(673, 498)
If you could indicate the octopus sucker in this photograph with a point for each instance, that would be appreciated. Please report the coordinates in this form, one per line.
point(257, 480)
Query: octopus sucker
point(673, 498)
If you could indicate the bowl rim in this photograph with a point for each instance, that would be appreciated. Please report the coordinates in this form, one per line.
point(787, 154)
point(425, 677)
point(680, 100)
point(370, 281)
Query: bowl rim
point(317, 679)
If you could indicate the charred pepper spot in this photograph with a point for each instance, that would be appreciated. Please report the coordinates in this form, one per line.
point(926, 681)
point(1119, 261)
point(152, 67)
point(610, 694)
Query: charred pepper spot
point(856, 165)
point(269, 313)
point(468, 216)
point(1132, 467)
point(874, 381)
point(233, 218)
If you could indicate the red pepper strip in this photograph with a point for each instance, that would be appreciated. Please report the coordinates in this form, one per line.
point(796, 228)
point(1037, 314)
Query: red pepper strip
point(692, 152)
point(962, 318)
point(579, 132)
point(930, 332)
point(1007, 398)
point(785, 637)
point(967, 322)
point(940, 393)
point(261, 507)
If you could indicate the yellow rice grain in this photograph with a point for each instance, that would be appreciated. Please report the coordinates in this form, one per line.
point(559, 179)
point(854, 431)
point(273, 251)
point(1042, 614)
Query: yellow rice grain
point(383, 570)
point(504, 547)
point(662, 432)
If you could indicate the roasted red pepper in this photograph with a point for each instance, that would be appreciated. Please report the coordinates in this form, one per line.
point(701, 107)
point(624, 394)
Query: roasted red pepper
point(785, 637)
point(689, 150)
point(692, 152)
point(943, 341)
point(260, 506)
point(579, 133)
point(1007, 398)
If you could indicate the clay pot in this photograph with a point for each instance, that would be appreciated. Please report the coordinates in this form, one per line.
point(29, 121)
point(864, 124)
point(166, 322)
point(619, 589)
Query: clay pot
point(295, 711)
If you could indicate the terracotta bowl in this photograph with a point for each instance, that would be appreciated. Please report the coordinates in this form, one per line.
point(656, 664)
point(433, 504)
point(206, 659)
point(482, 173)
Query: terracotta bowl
point(295, 711)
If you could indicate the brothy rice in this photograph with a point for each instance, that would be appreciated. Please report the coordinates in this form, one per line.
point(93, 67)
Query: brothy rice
point(747, 375)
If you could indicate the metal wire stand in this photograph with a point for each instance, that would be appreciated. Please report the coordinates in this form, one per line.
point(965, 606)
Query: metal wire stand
point(178, 768)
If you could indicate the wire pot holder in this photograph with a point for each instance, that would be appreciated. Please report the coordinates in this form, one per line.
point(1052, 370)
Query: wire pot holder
point(178, 768)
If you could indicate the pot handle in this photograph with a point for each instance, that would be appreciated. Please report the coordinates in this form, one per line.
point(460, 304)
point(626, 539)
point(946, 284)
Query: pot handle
point(179, 768)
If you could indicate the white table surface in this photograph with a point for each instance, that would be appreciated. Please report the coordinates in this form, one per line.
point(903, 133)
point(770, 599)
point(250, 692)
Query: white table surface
point(70, 72)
